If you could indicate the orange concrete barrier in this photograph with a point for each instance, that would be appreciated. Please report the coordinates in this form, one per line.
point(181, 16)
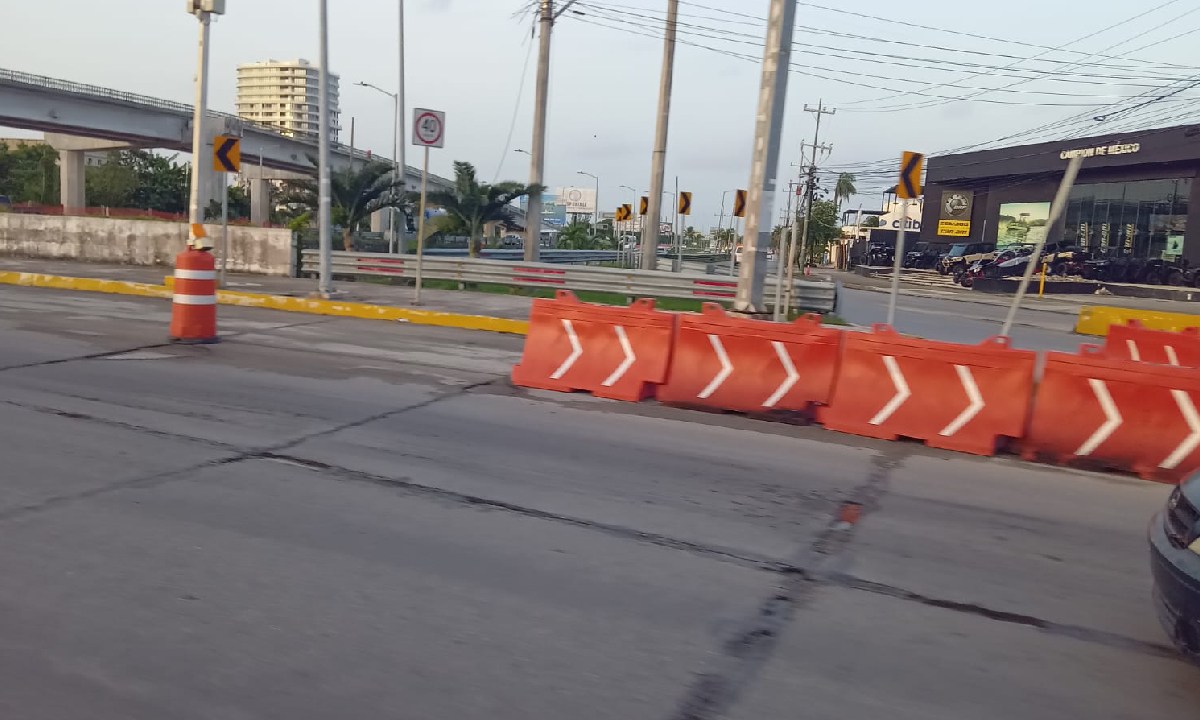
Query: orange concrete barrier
point(1133, 341)
point(614, 352)
point(194, 302)
point(731, 363)
point(1116, 413)
point(956, 397)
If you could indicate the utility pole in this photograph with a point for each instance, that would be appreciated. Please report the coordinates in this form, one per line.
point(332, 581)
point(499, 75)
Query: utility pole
point(399, 222)
point(819, 110)
point(799, 246)
point(324, 217)
point(203, 12)
point(658, 164)
point(764, 166)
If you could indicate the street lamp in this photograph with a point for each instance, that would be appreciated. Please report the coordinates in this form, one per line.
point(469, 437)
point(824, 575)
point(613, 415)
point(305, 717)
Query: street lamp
point(595, 200)
point(203, 10)
point(397, 175)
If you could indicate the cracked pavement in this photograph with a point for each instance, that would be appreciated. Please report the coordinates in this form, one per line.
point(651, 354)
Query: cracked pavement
point(332, 518)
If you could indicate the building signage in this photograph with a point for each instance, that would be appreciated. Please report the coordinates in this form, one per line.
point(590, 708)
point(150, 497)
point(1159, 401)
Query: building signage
point(578, 201)
point(1101, 150)
point(955, 217)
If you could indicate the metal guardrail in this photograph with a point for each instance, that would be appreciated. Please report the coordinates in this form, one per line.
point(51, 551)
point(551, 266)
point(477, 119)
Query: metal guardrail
point(807, 294)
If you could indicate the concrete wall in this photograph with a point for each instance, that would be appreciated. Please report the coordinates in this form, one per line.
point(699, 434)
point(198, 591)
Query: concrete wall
point(266, 251)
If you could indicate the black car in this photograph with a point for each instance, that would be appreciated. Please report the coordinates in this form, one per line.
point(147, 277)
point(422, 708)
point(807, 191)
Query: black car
point(1175, 563)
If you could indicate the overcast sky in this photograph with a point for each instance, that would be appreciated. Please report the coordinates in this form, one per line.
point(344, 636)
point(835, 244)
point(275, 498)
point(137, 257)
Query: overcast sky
point(468, 57)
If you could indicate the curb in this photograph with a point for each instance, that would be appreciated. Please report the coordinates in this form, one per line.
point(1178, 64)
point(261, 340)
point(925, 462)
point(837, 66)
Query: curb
point(334, 308)
point(61, 282)
point(1096, 319)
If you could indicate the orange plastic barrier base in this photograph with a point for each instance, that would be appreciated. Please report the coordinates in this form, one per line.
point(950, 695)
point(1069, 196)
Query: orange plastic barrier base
point(1118, 414)
point(1141, 344)
point(613, 352)
point(726, 362)
point(194, 306)
point(956, 397)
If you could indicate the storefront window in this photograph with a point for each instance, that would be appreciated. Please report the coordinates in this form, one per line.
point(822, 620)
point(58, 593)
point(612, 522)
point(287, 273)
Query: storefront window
point(1146, 219)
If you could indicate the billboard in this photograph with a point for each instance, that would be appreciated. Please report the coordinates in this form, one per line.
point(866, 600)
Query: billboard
point(553, 214)
point(954, 218)
point(577, 201)
point(1022, 223)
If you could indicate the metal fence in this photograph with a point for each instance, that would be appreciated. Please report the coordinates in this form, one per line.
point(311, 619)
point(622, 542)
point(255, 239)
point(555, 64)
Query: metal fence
point(807, 294)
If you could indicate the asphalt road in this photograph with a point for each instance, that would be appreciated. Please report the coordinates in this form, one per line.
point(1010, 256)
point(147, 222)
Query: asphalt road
point(327, 518)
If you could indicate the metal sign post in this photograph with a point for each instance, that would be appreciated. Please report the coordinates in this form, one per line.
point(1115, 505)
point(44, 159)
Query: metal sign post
point(227, 158)
point(429, 131)
point(908, 188)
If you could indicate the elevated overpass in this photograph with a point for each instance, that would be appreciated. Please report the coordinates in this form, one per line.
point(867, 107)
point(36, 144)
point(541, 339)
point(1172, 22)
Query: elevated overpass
point(79, 118)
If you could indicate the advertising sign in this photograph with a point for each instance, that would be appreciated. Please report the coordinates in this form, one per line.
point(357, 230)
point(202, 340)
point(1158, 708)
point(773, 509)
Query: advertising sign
point(954, 219)
point(577, 201)
point(1023, 223)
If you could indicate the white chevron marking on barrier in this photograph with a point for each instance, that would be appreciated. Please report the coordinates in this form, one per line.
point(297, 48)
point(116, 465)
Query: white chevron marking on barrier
point(1134, 354)
point(792, 376)
point(902, 391)
point(722, 375)
point(627, 363)
point(1109, 426)
point(1172, 358)
point(1188, 409)
point(576, 351)
point(968, 413)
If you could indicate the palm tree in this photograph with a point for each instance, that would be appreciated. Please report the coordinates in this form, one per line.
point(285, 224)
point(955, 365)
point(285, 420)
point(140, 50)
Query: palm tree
point(844, 188)
point(476, 204)
point(354, 193)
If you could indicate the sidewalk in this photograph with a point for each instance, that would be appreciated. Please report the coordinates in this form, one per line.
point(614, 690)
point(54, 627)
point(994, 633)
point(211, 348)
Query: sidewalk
point(512, 307)
point(1060, 304)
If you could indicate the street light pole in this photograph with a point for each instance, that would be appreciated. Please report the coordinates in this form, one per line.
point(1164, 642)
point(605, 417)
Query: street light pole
point(394, 232)
point(596, 203)
point(198, 240)
point(324, 217)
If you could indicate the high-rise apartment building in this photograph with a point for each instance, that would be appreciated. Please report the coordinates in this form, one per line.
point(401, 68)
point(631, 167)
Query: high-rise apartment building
point(284, 95)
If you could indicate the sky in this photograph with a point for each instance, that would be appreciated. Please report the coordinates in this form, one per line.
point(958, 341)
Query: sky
point(894, 84)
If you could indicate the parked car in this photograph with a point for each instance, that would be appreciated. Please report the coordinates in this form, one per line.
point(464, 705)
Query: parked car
point(923, 256)
point(1175, 565)
point(880, 254)
point(962, 255)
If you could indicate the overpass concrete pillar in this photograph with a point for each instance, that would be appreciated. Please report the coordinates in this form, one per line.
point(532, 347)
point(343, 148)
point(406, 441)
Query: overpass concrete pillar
point(71, 167)
point(260, 202)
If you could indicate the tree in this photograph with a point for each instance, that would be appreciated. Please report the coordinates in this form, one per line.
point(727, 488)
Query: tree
point(477, 204)
point(822, 229)
point(582, 235)
point(872, 221)
point(29, 173)
point(112, 184)
point(162, 183)
point(354, 193)
point(844, 189)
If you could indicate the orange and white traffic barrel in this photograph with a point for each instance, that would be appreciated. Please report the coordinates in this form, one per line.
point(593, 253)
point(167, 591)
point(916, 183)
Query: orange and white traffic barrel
point(194, 306)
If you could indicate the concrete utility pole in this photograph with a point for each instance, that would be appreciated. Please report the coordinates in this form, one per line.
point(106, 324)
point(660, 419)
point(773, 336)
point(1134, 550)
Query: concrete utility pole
point(764, 166)
point(399, 224)
point(324, 217)
point(658, 165)
point(537, 157)
point(203, 12)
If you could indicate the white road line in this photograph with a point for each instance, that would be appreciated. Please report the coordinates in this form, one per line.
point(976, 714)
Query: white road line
point(968, 414)
point(902, 391)
point(723, 374)
point(576, 351)
point(792, 376)
point(626, 363)
point(1188, 409)
point(1110, 425)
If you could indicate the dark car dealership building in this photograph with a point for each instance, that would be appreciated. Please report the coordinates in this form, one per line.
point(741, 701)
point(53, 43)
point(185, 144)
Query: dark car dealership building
point(1135, 195)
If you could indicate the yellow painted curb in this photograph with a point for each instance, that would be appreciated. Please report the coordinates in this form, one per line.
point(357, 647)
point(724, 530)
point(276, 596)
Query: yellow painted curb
point(1096, 319)
point(60, 282)
point(367, 311)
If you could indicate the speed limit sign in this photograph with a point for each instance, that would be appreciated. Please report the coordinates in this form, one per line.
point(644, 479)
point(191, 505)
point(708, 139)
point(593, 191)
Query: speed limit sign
point(429, 128)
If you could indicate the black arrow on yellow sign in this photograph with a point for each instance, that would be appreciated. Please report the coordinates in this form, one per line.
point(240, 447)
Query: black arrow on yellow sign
point(227, 154)
point(644, 205)
point(685, 203)
point(909, 186)
point(739, 203)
